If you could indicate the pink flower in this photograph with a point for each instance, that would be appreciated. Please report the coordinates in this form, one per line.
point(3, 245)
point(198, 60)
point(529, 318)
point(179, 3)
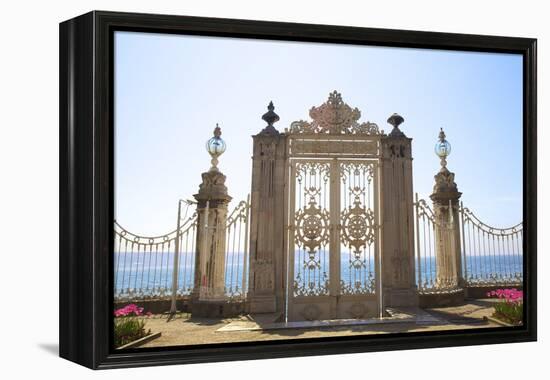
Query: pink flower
point(131, 309)
point(508, 295)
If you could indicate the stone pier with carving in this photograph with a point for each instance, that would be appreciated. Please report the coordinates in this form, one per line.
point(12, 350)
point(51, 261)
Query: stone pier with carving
point(398, 263)
point(267, 259)
point(208, 298)
point(445, 198)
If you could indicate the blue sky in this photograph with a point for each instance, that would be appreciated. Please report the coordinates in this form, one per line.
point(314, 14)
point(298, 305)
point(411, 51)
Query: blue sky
point(171, 90)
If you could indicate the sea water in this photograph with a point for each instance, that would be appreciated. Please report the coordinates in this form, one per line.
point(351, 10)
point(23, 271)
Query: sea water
point(153, 272)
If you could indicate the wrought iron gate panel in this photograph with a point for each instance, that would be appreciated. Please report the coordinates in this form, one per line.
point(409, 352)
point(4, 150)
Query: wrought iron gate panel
point(358, 221)
point(332, 215)
point(333, 248)
point(311, 235)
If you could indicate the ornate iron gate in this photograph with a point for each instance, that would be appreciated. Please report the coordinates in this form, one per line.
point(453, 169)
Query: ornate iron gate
point(333, 215)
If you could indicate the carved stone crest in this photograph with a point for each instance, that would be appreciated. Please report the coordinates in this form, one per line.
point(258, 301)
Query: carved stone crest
point(334, 117)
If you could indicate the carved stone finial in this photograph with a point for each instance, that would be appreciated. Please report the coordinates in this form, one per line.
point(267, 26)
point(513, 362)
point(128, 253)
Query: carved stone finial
point(217, 131)
point(270, 117)
point(335, 98)
point(396, 120)
point(442, 135)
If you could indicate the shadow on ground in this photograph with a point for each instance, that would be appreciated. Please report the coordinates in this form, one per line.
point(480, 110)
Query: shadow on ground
point(471, 312)
point(185, 329)
point(52, 348)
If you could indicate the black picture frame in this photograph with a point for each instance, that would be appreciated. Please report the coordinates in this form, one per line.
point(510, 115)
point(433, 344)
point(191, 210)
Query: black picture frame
point(86, 187)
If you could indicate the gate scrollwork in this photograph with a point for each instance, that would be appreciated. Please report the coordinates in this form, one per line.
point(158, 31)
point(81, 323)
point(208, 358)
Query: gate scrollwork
point(312, 227)
point(312, 232)
point(358, 232)
point(333, 228)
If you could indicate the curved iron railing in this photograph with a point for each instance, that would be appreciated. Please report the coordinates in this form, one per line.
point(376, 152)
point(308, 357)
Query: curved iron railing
point(236, 255)
point(489, 256)
point(144, 265)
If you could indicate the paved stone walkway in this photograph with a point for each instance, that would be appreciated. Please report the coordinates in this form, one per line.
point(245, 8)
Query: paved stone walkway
point(183, 330)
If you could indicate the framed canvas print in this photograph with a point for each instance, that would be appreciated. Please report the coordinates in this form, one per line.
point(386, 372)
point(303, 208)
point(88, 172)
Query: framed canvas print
point(237, 189)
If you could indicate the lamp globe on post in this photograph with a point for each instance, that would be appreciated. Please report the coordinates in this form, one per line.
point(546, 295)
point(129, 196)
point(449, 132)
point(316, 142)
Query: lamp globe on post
point(442, 149)
point(215, 146)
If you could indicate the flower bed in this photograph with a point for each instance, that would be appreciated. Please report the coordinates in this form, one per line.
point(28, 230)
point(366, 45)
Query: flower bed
point(128, 327)
point(510, 306)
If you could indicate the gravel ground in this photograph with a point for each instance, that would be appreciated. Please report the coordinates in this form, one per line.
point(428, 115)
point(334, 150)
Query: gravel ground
point(184, 330)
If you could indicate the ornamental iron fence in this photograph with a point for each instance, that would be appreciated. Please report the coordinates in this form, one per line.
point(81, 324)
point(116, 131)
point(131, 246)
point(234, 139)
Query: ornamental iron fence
point(488, 256)
point(144, 265)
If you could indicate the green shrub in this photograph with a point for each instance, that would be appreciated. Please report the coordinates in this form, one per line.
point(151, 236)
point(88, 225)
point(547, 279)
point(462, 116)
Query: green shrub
point(128, 327)
point(510, 307)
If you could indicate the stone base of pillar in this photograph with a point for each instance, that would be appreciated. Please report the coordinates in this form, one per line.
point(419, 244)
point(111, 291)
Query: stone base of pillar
point(400, 297)
point(216, 309)
point(262, 304)
point(451, 298)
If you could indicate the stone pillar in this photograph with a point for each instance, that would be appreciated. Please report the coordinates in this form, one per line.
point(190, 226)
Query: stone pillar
point(267, 261)
point(396, 196)
point(208, 298)
point(445, 199)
